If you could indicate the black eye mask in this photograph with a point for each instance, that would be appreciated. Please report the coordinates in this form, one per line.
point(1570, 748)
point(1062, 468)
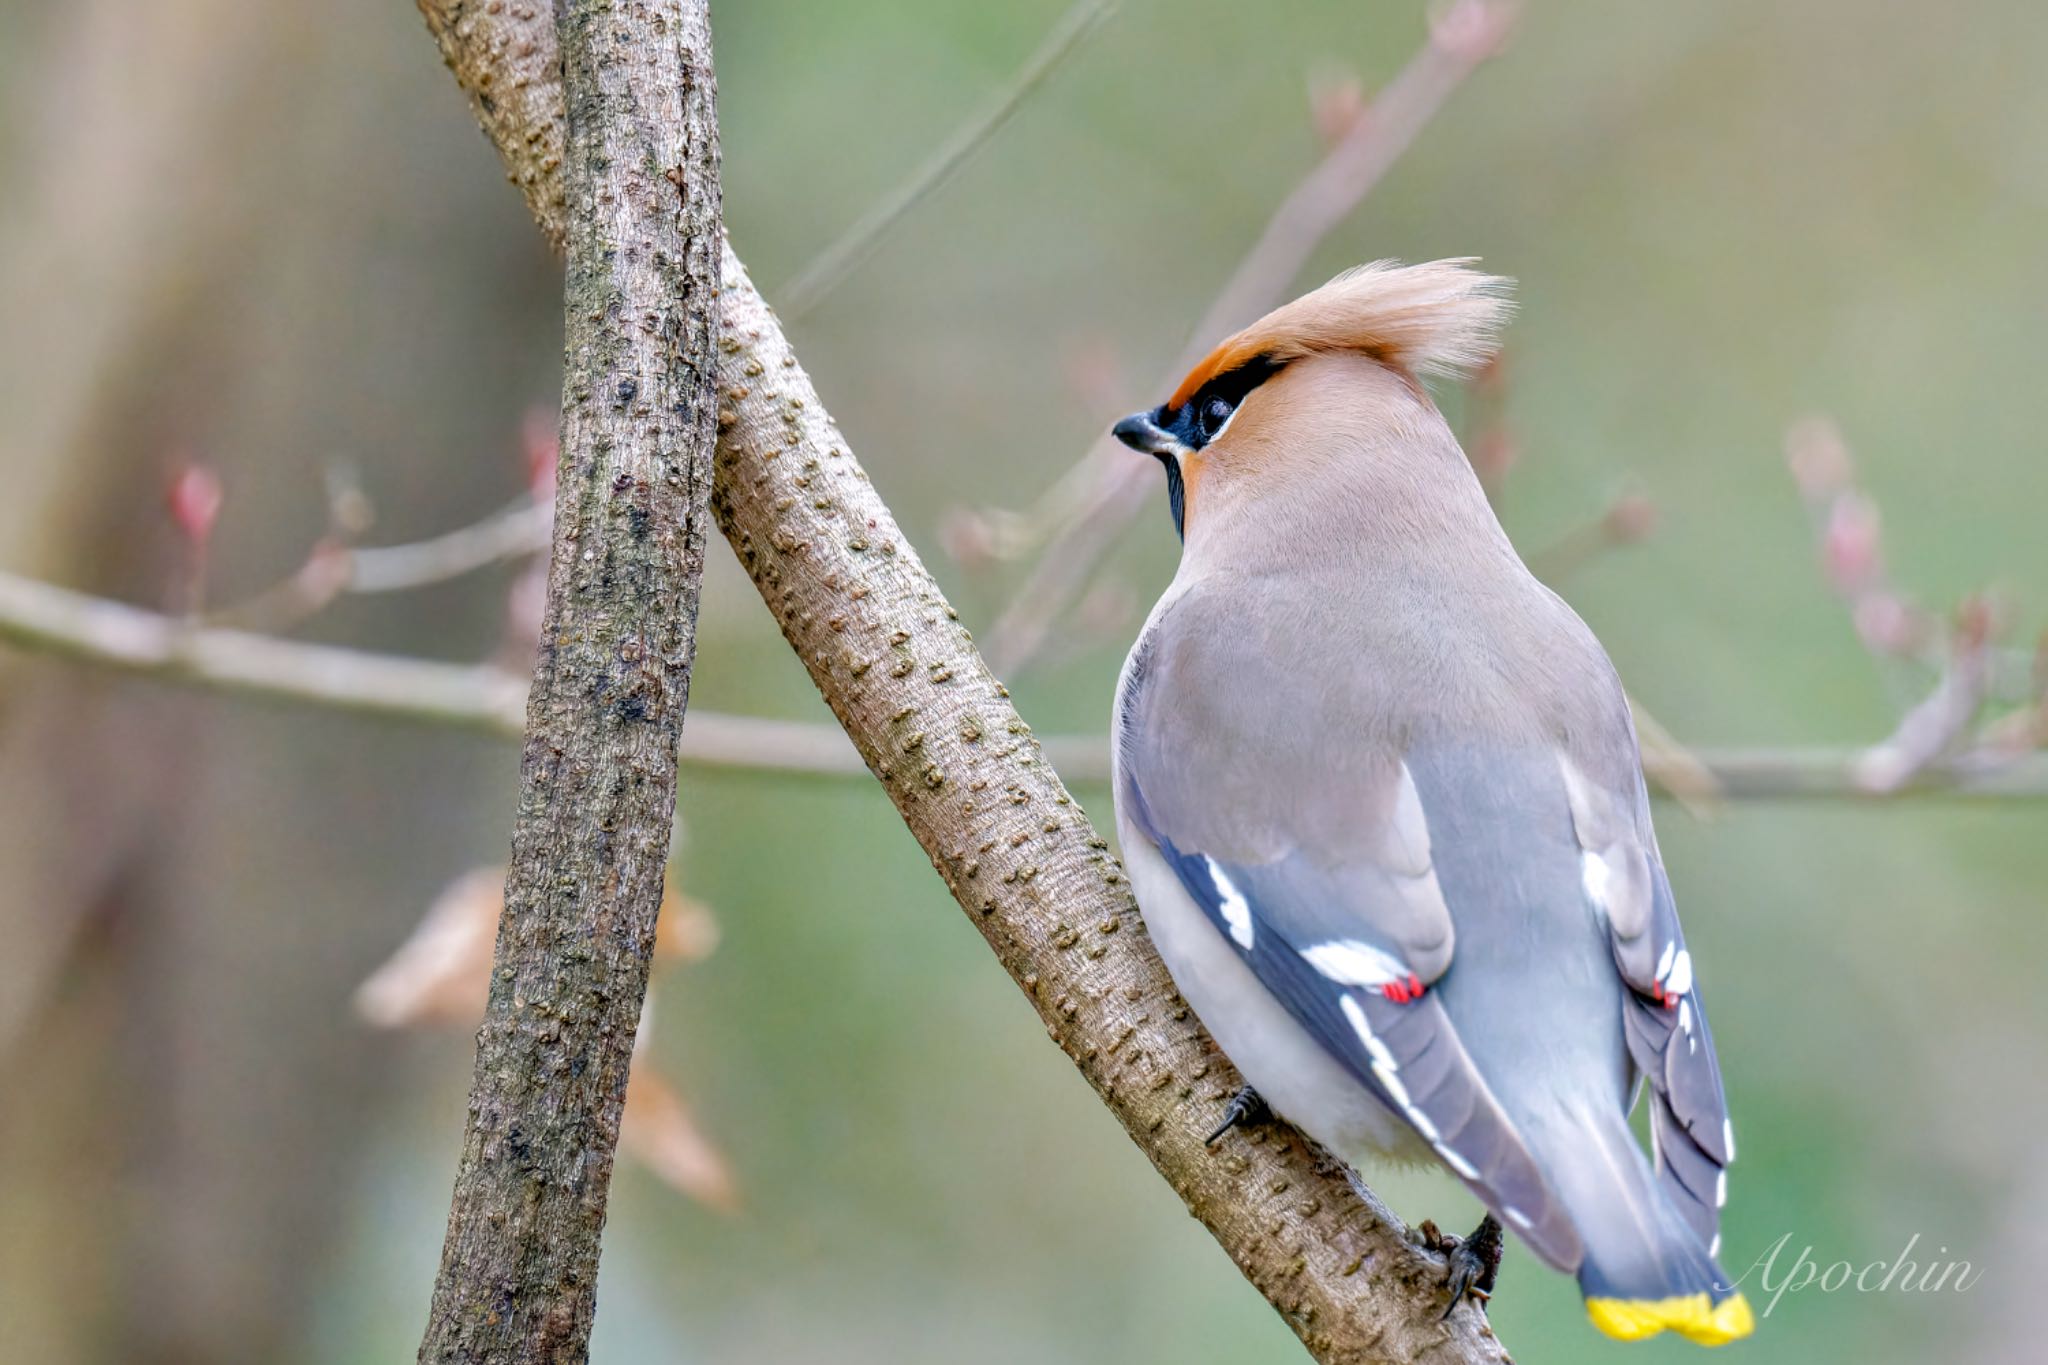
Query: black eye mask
point(1197, 422)
point(1200, 420)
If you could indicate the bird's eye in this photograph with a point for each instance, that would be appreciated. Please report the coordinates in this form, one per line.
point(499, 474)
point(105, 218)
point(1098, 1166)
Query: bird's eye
point(1215, 413)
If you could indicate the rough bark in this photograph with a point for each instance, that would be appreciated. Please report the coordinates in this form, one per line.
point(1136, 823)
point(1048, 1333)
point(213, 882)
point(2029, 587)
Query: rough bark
point(902, 675)
point(639, 186)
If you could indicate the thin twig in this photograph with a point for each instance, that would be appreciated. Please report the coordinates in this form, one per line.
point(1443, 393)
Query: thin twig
point(853, 246)
point(64, 624)
point(1628, 519)
point(513, 533)
point(1848, 534)
point(334, 568)
point(1109, 483)
point(38, 618)
point(1943, 720)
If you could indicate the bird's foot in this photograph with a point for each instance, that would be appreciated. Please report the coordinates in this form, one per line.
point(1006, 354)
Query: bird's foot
point(1474, 1260)
point(1244, 1110)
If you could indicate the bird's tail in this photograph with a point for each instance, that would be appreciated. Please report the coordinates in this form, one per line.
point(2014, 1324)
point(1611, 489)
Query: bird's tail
point(1645, 1270)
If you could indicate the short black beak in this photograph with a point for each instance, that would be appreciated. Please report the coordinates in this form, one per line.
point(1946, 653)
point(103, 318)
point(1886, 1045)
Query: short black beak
point(1141, 433)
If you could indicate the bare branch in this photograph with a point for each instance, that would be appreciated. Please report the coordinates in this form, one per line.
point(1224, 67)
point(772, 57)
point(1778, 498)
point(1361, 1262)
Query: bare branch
point(519, 530)
point(846, 252)
point(1941, 722)
point(1673, 768)
point(506, 59)
point(335, 568)
point(1975, 670)
point(1107, 486)
point(518, 1277)
point(49, 620)
point(42, 619)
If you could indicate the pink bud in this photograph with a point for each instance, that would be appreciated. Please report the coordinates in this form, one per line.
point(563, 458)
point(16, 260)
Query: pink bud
point(194, 501)
point(1336, 104)
point(1490, 380)
point(1979, 618)
point(1850, 546)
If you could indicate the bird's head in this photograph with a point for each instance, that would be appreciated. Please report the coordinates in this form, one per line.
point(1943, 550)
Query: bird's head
point(1277, 398)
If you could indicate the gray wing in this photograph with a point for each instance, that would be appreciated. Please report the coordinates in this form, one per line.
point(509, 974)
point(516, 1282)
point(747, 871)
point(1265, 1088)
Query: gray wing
point(1315, 940)
point(1663, 1019)
point(1315, 861)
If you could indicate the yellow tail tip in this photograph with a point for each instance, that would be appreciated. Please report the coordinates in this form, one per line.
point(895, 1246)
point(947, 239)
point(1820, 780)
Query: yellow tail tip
point(1695, 1317)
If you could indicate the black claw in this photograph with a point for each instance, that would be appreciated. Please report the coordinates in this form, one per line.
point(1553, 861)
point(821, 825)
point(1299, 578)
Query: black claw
point(1474, 1264)
point(1245, 1109)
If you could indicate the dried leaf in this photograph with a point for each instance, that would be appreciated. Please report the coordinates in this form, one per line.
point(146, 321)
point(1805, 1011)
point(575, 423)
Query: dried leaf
point(442, 973)
point(659, 1132)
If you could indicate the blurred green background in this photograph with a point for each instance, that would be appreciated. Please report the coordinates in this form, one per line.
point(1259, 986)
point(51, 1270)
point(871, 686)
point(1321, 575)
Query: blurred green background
point(270, 238)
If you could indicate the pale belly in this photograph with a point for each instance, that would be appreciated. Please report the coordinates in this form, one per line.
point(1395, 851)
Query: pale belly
point(1278, 1057)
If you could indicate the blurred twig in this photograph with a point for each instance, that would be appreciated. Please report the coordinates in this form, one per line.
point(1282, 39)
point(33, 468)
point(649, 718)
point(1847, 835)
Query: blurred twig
point(1090, 504)
point(55, 621)
point(518, 530)
point(853, 246)
point(1848, 533)
point(1673, 768)
point(1628, 518)
point(335, 568)
point(1940, 722)
point(64, 624)
point(1974, 670)
point(338, 564)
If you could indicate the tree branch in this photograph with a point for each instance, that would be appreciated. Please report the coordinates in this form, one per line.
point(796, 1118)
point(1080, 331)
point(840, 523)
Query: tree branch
point(93, 630)
point(518, 1278)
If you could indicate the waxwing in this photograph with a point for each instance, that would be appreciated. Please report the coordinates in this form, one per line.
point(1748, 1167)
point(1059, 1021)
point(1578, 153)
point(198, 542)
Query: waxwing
point(1381, 803)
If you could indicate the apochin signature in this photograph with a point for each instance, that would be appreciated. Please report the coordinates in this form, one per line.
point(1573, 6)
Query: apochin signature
point(1897, 1275)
